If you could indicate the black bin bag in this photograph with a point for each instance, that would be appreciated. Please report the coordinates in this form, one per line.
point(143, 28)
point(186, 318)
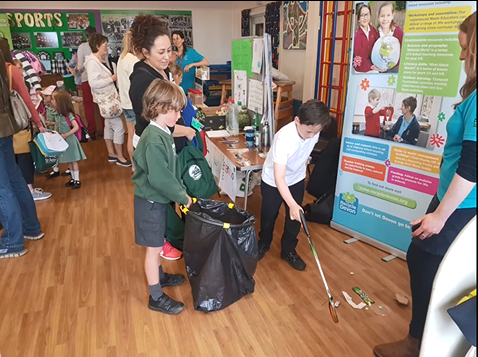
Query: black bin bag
point(220, 251)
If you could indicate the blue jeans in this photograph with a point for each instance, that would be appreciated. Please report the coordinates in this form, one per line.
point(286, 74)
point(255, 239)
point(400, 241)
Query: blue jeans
point(18, 213)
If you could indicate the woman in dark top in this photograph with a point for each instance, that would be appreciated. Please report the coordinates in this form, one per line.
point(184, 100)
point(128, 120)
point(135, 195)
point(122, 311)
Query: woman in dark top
point(407, 129)
point(451, 209)
point(150, 38)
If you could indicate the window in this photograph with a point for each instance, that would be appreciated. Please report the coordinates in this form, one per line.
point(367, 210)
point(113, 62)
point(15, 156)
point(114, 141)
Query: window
point(258, 25)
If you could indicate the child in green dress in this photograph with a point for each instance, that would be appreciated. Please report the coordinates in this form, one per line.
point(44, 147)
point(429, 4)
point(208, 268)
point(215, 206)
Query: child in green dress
point(61, 107)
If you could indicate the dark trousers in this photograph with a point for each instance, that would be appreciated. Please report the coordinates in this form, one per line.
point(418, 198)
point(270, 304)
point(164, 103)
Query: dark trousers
point(271, 203)
point(422, 267)
point(25, 163)
point(424, 258)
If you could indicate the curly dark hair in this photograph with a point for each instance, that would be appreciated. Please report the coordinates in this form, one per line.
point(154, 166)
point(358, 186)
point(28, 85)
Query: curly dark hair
point(96, 40)
point(144, 31)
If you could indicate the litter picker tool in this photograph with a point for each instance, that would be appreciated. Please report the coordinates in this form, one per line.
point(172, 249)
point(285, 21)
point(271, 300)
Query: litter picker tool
point(333, 313)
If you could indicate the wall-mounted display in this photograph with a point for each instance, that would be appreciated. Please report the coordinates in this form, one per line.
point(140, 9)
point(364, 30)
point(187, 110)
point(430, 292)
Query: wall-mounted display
point(46, 39)
point(21, 41)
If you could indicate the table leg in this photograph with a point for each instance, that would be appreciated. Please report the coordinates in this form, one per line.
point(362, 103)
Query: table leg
point(246, 189)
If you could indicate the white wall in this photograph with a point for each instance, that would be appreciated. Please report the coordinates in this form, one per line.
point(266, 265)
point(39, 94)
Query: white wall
point(214, 23)
point(291, 62)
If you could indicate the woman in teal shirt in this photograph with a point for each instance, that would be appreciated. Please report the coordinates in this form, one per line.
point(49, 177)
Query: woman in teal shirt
point(451, 209)
point(188, 59)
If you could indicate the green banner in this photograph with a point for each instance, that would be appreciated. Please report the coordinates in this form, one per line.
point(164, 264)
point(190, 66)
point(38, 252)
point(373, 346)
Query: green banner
point(430, 65)
point(50, 35)
point(5, 28)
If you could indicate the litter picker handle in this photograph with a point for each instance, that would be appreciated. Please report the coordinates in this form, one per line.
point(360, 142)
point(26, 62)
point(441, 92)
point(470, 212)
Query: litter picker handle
point(304, 223)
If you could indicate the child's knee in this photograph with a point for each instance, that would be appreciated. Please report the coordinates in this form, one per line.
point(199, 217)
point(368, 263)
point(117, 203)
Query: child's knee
point(154, 250)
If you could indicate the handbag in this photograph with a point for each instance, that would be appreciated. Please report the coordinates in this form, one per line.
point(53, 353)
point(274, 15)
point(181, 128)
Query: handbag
point(20, 110)
point(21, 140)
point(109, 104)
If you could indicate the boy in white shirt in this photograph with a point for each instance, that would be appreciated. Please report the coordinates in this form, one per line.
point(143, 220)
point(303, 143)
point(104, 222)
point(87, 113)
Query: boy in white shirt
point(283, 177)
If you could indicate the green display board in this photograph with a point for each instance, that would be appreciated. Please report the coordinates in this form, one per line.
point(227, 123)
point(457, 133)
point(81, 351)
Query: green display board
point(49, 34)
point(5, 28)
point(242, 56)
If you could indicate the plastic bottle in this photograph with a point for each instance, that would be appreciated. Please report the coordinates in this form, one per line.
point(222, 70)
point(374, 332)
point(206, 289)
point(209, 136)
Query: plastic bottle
point(232, 118)
point(265, 135)
point(257, 130)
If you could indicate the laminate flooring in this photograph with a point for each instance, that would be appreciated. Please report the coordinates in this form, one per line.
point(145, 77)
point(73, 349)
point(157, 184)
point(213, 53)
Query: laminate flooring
point(81, 291)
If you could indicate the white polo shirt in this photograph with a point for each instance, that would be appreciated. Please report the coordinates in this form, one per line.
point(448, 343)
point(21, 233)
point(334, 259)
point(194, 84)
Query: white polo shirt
point(291, 150)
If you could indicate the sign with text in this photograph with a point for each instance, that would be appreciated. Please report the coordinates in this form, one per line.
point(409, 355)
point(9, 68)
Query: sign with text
point(401, 94)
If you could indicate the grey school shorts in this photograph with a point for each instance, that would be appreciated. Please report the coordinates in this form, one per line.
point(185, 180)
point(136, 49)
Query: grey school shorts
point(149, 223)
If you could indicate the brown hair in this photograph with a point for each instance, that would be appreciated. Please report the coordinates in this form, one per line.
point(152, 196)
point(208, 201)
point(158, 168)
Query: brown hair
point(468, 27)
point(90, 30)
point(175, 69)
point(144, 31)
point(96, 40)
point(64, 106)
point(360, 8)
point(5, 48)
point(410, 102)
point(161, 97)
point(314, 112)
point(393, 24)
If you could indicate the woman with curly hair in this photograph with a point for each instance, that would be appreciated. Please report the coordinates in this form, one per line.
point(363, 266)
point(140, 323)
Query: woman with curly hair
point(150, 38)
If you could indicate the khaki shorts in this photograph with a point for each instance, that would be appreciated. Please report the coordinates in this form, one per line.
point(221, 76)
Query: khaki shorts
point(114, 130)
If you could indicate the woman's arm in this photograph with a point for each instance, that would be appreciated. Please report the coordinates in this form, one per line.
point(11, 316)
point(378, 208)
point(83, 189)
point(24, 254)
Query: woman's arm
point(463, 182)
point(203, 62)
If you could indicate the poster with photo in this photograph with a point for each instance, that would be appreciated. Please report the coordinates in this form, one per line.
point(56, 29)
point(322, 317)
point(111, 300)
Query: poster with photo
point(182, 23)
point(21, 41)
point(114, 25)
point(78, 21)
point(46, 39)
point(378, 36)
point(395, 120)
point(71, 39)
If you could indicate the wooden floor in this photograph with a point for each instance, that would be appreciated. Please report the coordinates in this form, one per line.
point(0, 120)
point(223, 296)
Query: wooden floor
point(81, 291)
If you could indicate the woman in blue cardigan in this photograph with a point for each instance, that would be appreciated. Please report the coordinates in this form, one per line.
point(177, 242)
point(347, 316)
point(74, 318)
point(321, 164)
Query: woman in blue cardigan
point(407, 129)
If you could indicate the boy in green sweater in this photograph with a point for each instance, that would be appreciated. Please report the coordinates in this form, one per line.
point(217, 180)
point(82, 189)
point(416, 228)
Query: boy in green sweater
point(157, 183)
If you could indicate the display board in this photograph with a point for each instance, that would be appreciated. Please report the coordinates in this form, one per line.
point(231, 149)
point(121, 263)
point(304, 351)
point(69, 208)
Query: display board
point(51, 34)
point(5, 28)
point(386, 180)
point(114, 24)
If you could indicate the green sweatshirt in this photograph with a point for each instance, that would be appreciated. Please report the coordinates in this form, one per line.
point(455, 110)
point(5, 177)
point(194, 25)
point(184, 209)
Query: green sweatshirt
point(157, 175)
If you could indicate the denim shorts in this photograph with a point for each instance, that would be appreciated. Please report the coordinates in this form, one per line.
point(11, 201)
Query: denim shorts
point(129, 116)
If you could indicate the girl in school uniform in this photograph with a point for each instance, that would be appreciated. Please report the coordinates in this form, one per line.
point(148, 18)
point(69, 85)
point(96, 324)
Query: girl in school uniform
point(388, 27)
point(61, 108)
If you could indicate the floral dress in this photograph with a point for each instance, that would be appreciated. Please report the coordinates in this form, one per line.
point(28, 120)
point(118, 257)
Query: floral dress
point(74, 152)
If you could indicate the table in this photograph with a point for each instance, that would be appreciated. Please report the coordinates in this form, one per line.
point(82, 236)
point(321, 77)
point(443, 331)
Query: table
point(252, 155)
point(283, 107)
